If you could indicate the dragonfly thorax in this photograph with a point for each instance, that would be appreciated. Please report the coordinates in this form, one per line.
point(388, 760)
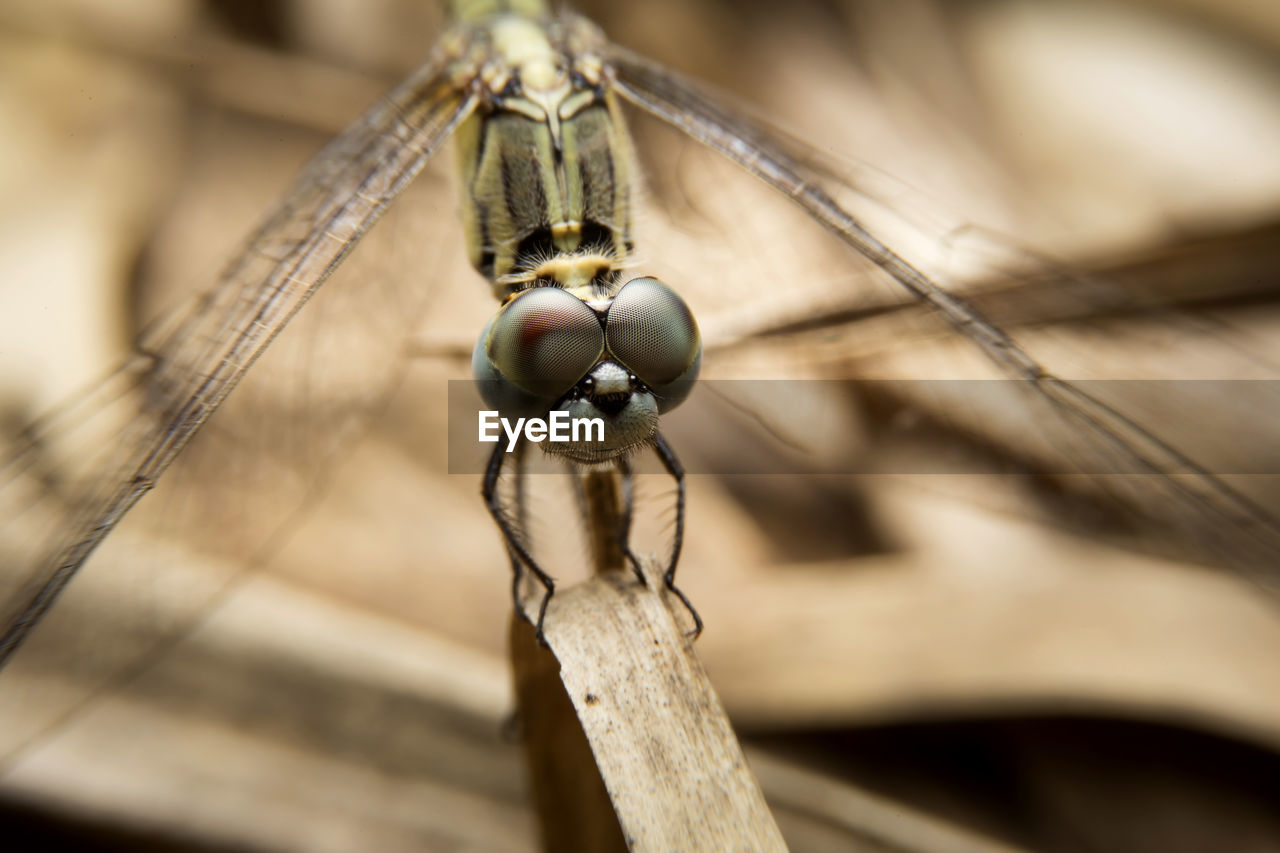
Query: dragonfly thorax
point(545, 162)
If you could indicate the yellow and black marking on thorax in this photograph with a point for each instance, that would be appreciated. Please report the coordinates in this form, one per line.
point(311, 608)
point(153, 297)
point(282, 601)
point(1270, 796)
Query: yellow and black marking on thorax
point(545, 161)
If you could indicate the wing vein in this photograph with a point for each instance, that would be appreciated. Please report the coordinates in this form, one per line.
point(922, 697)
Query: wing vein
point(332, 203)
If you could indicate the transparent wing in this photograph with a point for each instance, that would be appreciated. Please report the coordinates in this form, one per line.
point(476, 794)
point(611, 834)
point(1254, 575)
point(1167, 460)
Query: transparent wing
point(1132, 457)
point(196, 362)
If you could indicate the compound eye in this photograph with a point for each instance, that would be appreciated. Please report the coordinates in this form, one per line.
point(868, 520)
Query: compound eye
point(651, 331)
point(544, 341)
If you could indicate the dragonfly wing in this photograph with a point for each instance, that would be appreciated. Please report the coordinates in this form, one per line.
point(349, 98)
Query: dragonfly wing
point(1193, 502)
point(196, 363)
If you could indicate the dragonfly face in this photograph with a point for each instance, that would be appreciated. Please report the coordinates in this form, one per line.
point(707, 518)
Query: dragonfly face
point(627, 360)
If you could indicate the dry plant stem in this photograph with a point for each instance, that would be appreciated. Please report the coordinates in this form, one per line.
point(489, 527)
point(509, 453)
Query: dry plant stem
point(574, 811)
point(602, 504)
point(630, 689)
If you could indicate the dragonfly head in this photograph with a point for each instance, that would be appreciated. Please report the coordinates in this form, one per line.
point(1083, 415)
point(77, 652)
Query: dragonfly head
point(626, 360)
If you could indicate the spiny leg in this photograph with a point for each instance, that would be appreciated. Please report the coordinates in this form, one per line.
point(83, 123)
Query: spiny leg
point(520, 556)
point(624, 519)
point(676, 471)
point(522, 518)
point(517, 573)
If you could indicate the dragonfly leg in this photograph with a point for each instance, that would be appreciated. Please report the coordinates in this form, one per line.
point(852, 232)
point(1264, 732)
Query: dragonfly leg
point(676, 471)
point(516, 549)
point(624, 520)
point(517, 574)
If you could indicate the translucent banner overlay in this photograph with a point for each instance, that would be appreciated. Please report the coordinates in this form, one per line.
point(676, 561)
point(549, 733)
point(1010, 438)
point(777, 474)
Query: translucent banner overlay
point(825, 427)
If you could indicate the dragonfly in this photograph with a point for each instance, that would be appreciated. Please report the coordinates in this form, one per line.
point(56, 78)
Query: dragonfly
point(191, 366)
point(544, 235)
